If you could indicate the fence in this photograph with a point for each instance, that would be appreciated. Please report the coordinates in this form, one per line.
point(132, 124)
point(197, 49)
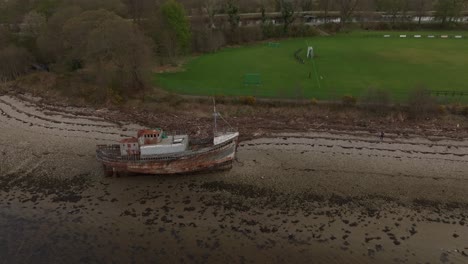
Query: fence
point(449, 93)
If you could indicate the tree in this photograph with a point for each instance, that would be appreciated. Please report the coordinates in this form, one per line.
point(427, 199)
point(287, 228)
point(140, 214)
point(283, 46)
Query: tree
point(174, 18)
point(33, 24)
point(325, 6)
point(393, 7)
point(346, 8)
point(233, 12)
point(15, 61)
point(76, 31)
point(13, 11)
point(119, 51)
point(138, 9)
point(5, 37)
point(115, 6)
point(306, 5)
point(211, 8)
point(47, 7)
point(51, 42)
point(449, 10)
point(287, 14)
point(421, 7)
point(264, 18)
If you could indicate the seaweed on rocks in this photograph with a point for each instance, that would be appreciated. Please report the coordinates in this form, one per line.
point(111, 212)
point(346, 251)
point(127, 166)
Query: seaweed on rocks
point(60, 190)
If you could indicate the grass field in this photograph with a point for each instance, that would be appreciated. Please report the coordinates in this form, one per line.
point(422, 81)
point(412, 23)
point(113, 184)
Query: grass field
point(345, 64)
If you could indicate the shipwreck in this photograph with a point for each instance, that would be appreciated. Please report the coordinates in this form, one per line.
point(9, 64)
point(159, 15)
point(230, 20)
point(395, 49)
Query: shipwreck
point(153, 151)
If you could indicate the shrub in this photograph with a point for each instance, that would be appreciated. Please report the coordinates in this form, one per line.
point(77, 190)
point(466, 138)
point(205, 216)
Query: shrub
point(349, 100)
point(247, 100)
point(273, 31)
point(221, 99)
point(465, 111)
point(331, 27)
point(376, 99)
point(453, 108)
point(314, 101)
point(421, 103)
point(114, 96)
point(249, 34)
point(442, 109)
point(173, 99)
point(301, 30)
point(207, 40)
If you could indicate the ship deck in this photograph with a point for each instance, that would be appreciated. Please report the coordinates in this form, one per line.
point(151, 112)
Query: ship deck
point(111, 153)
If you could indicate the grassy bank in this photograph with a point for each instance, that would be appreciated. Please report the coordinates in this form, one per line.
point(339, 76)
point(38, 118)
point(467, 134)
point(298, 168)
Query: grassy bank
point(345, 64)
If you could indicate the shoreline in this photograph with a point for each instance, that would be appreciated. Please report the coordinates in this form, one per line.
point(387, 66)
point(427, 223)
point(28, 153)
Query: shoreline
point(323, 195)
point(58, 142)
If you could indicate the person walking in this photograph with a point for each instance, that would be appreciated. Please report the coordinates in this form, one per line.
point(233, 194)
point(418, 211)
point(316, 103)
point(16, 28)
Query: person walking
point(382, 134)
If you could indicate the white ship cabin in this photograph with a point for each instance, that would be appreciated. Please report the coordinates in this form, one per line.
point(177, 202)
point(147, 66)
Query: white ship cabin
point(156, 142)
point(129, 146)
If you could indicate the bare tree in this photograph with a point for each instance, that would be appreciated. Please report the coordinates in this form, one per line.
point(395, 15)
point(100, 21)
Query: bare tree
point(393, 7)
point(325, 5)
point(76, 30)
point(33, 24)
point(449, 10)
point(287, 14)
point(421, 7)
point(232, 10)
point(115, 6)
point(306, 5)
point(15, 61)
point(138, 9)
point(13, 11)
point(4, 37)
point(211, 8)
point(122, 51)
point(346, 8)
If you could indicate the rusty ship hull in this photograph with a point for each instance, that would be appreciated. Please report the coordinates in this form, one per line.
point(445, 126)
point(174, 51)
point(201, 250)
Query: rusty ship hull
point(215, 157)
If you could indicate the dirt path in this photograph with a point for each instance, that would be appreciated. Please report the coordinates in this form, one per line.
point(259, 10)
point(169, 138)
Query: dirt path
point(324, 196)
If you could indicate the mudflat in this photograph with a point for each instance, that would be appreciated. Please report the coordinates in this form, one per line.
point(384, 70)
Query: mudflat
point(320, 196)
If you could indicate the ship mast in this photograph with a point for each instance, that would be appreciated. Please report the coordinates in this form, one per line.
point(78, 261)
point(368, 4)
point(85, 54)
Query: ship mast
point(216, 115)
point(215, 128)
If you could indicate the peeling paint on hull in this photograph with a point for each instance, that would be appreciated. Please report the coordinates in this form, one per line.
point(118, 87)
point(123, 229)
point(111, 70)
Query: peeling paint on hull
point(211, 158)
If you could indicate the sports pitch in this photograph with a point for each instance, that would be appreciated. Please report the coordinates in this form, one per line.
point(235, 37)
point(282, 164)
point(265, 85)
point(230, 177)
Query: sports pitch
point(345, 64)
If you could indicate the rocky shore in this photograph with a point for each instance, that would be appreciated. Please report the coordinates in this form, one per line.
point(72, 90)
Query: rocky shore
point(321, 196)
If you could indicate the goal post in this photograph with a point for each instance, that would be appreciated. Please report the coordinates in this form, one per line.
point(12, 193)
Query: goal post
point(310, 52)
point(252, 79)
point(273, 44)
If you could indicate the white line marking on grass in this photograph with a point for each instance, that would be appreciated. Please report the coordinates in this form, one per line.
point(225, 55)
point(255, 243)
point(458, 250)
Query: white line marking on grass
point(316, 75)
point(315, 69)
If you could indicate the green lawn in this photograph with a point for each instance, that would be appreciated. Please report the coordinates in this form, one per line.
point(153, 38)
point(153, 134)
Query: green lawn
point(345, 64)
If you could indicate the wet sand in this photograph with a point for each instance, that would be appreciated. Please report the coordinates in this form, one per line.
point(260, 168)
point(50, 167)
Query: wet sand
point(323, 196)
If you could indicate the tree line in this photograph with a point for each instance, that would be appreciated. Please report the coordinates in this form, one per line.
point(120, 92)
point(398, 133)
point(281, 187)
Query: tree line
point(106, 48)
point(92, 46)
